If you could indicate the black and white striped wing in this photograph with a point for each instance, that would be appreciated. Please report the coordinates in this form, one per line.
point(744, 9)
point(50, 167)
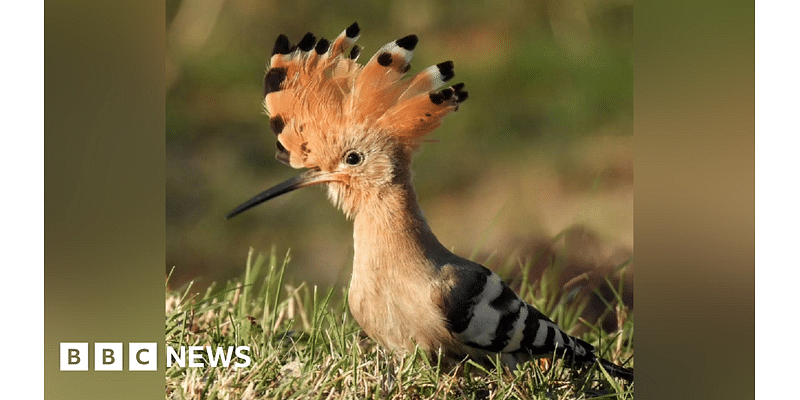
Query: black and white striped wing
point(484, 313)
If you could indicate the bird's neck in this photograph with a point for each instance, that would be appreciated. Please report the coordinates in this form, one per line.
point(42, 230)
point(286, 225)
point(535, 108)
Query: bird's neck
point(391, 234)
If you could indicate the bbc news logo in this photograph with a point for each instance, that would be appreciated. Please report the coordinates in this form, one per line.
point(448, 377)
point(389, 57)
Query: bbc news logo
point(144, 356)
point(108, 356)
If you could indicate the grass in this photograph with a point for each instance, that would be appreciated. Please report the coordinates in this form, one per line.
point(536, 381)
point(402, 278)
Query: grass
point(305, 344)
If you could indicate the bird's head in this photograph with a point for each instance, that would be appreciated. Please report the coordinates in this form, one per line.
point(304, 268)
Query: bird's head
point(353, 127)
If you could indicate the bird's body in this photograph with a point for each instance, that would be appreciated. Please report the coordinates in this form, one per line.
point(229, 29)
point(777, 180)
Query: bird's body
point(408, 290)
point(356, 129)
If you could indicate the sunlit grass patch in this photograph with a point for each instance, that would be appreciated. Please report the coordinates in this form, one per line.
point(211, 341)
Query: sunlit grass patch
point(304, 344)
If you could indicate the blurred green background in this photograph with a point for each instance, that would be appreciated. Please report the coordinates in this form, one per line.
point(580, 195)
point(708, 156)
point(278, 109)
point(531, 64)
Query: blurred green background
point(542, 147)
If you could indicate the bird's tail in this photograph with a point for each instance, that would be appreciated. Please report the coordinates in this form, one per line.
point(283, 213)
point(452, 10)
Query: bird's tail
point(582, 352)
point(615, 370)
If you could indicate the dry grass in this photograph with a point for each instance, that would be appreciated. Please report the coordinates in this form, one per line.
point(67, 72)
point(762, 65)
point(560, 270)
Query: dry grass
point(305, 344)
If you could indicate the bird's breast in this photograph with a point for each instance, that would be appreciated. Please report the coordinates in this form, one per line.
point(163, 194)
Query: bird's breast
point(394, 308)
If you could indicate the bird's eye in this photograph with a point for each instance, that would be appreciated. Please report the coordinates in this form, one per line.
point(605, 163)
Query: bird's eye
point(353, 158)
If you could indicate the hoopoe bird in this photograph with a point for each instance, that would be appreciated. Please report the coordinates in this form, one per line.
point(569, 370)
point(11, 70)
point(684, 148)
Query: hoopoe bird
point(355, 128)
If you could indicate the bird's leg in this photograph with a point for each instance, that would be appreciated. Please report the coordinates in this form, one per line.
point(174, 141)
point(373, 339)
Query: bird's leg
point(388, 371)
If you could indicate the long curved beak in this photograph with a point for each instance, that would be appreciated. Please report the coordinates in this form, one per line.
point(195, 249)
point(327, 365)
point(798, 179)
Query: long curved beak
point(307, 178)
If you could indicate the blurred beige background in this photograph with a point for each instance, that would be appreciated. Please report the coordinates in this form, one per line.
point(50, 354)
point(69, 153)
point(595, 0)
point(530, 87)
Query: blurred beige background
point(537, 162)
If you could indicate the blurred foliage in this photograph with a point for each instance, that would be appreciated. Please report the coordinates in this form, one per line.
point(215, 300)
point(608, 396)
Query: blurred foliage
point(543, 76)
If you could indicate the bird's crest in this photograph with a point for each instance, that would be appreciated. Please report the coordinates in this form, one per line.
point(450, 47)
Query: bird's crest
point(317, 95)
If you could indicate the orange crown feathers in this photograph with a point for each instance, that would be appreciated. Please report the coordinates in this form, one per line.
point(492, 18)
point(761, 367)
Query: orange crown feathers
point(317, 97)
